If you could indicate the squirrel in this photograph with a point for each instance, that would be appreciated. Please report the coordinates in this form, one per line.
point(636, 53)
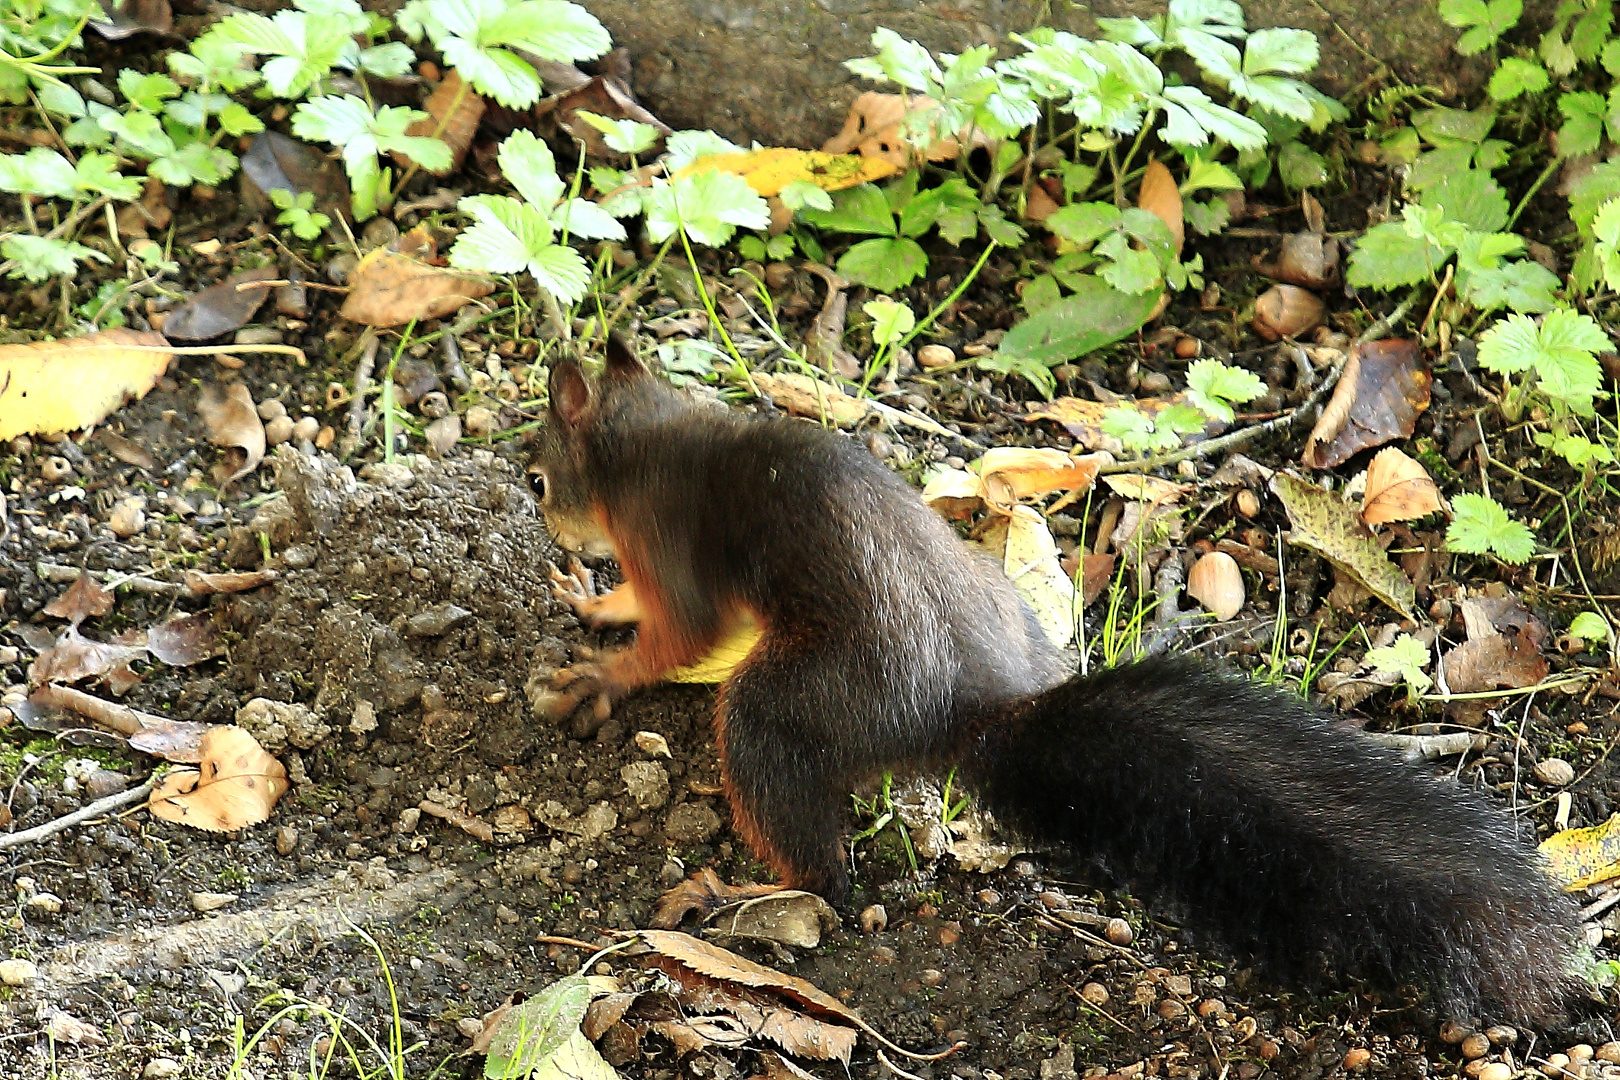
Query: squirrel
point(887, 644)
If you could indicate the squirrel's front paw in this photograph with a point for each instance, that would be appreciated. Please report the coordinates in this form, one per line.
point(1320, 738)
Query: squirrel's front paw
point(574, 588)
point(577, 684)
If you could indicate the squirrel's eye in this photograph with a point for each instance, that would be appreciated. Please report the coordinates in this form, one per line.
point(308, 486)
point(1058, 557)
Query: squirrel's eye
point(538, 484)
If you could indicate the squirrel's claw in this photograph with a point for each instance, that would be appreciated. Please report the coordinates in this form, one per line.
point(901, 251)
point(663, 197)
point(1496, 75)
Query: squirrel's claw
point(576, 588)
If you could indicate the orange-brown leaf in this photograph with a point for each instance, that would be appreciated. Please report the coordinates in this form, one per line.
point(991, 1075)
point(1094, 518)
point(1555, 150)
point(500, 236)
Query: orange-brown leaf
point(1380, 394)
point(235, 786)
point(84, 599)
point(773, 168)
point(1160, 197)
point(1398, 489)
point(391, 288)
point(50, 386)
point(453, 116)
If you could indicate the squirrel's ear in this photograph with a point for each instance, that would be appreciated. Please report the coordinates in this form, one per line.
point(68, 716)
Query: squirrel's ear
point(622, 362)
point(570, 392)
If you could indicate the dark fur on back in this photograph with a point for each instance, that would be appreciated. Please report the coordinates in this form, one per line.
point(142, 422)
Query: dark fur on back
point(1285, 833)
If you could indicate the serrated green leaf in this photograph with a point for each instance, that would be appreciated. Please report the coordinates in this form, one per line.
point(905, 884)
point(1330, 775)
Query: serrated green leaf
point(1130, 270)
point(1386, 257)
point(583, 218)
point(1516, 77)
point(1480, 526)
point(1191, 118)
point(860, 209)
point(1485, 22)
point(1584, 114)
point(709, 206)
point(391, 60)
point(1470, 197)
point(804, 195)
point(1301, 167)
point(41, 257)
point(527, 163)
point(884, 263)
point(146, 91)
point(1561, 350)
point(531, 1032)
point(1096, 315)
point(684, 147)
point(42, 172)
point(1445, 127)
point(477, 37)
point(1406, 657)
point(1207, 218)
point(622, 136)
point(1214, 387)
point(891, 320)
point(98, 174)
point(1207, 175)
point(1590, 626)
point(1083, 223)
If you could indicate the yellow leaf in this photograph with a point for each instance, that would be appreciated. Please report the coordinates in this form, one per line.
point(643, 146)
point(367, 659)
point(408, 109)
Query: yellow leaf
point(716, 667)
point(1398, 489)
point(770, 170)
point(51, 386)
point(1031, 561)
point(1581, 858)
point(235, 785)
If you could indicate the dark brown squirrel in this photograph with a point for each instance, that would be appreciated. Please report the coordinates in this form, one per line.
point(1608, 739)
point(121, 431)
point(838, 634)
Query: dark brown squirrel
point(886, 644)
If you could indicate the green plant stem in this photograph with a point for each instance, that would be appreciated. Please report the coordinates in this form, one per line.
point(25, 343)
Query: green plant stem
point(640, 283)
point(1524, 201)
point(955, 295)
point(714, 316)
point(1119, 183)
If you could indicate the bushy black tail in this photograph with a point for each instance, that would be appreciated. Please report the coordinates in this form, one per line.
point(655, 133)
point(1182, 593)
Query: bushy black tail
point(1285, 834)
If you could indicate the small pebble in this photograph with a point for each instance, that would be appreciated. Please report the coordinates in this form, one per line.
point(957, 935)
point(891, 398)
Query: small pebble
point(1609, 1052)
point(931, 977)
point(1186, 349)
point(988, 897)
point(879, 446)
point(17, 971)
point(874, 919)
point(1247, 503)
point(326, 437)
point(270, 408)
point(286, 840)
point(55, 469)
point(212, 901)
point(1453, 1032)
point(482, 422)
point(1555, 772)
point(161, 1068)
point(1556, 1064)
point(1171, 1009)
point(442, 435)
point(278, 430)
point(1211, 1007)
point(1154, 382)
point(1502, 1035)
point(128, 517)
point(1496, 1070)
point(1053, 901)
point(49, 903)
point(1094, 993)
point(1475, 1046)
point(1119, 932)
point(1357, 1058)
point(1580, 1053)
point(1269, 1050)
point(434, 404)
point(305, 428)
point(935, 356)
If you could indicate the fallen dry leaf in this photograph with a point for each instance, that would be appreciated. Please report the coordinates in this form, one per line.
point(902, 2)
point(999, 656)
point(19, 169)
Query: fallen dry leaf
point(75, 657)
point(1031, 560)
point(392, 286)
point(184, 639)
point(773, 168)
point(1324, 523)
point(199, 583)
point(220, 309)
point(1486, 616)
point(1011, 474)
point(1096, 571)
point(1398, 489)
point(1309, 260)
point(233, 422)
point(453, 115)
point(125, 18)
point(127, 451)
point(70, 1029)
point(804, 396)
point(1580, 858)
point(787, 917)
point(605, 95)
point(1497, 662)
point(84, 599)
point(872, 129)
point(275, 161)
point(174, 740)
point(51, 386)
point(1382, 390)
point(1144, 488)
point(236, 785)
point(1160, 197)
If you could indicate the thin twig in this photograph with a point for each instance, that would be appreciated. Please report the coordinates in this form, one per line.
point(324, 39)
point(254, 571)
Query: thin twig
point(84, 813)
point(1237, 438)
point(362, 383)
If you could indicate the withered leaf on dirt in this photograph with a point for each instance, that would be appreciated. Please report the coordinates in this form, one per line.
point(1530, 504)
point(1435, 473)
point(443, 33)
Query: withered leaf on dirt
point(70, 1029)
point(1324, 523)
point(456, 129)
point(1581, 858)
point(84, 599)
point(124, 18)
point(398, 283)
point(1486, 616)
point(51, 386)
point(750, 1012)
point(1382, 390)
point(804, 396)
point(605, 95)
point(872, 129)
point(127, 451)
point(222, 308)
point(788, 917)
point(172, 740)
point(1497, 662)
point(75, 657)
point(1004, 475)
point(233, 422)
point(277, 162)
point(1030, 559)
point(199, 583)
point(1160, 197)
point(235, 785)
point(1398, 489)
point(184, 639)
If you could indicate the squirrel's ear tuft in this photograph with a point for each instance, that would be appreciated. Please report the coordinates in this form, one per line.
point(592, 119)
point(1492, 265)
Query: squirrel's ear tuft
point(570, 392)
point(622, 362)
